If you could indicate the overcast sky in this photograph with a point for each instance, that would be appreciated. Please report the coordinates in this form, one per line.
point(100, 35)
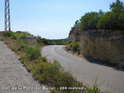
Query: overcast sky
point(51, 19)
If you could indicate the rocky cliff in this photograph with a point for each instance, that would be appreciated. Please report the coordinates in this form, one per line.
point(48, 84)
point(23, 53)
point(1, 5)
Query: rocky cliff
point(74, 35)
point(104, 45)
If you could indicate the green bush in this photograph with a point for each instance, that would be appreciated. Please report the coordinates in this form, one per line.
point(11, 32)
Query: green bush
point(75, 46)
point(39, 39)
point(8, 34)
point(42, 40)
point(22, 46)
point(33, 53)
point(14, 37)
point(43, 59)
point(46, 71)
point(54, 75)
point(67, 47)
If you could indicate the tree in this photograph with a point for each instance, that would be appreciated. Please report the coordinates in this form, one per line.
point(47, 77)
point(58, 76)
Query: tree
point(89, 20)
point(117, 7)
point(45, 41)
point(113, 20)
point(76, 23)
point(121, 21)
point(101, 13)
point(107, 21)
point(39, 39)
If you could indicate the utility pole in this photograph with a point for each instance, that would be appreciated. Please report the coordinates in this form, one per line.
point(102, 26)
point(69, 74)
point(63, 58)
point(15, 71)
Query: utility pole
point(7, 16)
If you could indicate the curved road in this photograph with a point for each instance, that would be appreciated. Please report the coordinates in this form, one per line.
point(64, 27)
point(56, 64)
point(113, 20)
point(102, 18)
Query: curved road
point(86, 72)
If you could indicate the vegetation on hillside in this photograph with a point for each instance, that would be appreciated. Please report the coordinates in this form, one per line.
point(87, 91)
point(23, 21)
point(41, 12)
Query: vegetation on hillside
point(58, 41)
point(74, 46)
point(112, 20)
point(42, 40)
point(52, 41)
point(50, 74)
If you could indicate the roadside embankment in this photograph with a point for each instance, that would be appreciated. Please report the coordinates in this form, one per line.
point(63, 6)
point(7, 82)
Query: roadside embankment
point(104, 45)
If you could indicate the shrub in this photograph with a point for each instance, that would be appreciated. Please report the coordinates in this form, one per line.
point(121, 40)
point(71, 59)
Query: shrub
point(42, 40)
point(67, 47)
point(54, 75)
point(14, 37)
point(33, 53)
point(46, 71)
point(39, 39)
point(8, 34)
point(43, 59)
point(75, 46)
point(22, 46)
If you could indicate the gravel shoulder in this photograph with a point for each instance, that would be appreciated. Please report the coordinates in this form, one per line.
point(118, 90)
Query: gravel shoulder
point(14, 78)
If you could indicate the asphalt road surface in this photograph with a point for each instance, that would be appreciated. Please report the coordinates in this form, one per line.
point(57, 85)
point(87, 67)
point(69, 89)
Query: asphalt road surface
point(14, 77)
point(85, 71)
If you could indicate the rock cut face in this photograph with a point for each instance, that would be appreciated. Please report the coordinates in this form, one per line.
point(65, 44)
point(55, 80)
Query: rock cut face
point(74, 35)
point(103, 45)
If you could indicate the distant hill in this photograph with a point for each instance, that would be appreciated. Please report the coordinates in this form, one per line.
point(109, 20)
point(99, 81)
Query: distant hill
point(58, 41)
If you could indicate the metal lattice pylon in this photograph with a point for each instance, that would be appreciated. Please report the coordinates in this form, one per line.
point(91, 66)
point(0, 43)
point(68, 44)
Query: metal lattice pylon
point(7, 16)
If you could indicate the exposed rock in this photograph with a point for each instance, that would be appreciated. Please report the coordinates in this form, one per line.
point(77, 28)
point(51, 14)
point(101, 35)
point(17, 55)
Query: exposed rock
point(31, 40)
point(74, 35)
point(104, 45)
point(19, 32)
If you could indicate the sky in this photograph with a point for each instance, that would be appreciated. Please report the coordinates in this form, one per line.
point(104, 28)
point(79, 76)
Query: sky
point(51, 19)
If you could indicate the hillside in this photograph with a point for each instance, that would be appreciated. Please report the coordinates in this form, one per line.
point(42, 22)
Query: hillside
point(101, 34)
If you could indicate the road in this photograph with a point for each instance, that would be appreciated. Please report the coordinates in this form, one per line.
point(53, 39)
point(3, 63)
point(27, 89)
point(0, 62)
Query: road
point(14, 78)
point(85, 71)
